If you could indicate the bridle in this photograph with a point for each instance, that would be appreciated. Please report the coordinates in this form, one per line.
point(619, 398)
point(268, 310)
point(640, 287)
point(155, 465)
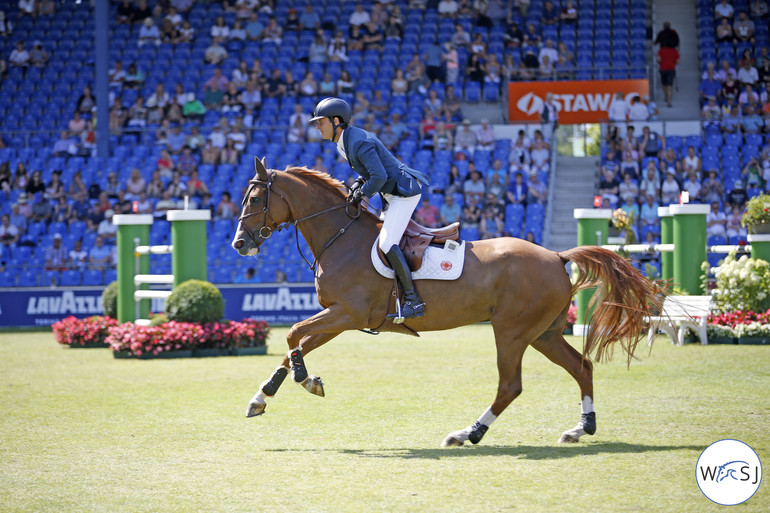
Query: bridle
point(266, 231)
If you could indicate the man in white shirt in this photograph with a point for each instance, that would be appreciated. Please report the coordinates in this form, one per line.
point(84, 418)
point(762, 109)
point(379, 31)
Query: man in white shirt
point(117, 75)
point(638, 110)
point(303, 117)
point(748, 74)
point(107, 229)
point(485, 136)
point(618, 110)
point(359, 17)
point(724, 10)
point(548, 50)
point(237, 136)
point(716, 221)
point(447, 8)
point(27, 7)
point(217, 138)
point(9, 233)
point(20, 56)
point(465, 138)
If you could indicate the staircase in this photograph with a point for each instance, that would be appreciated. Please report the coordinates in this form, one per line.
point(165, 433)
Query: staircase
point(683, 18)
point(574, 187)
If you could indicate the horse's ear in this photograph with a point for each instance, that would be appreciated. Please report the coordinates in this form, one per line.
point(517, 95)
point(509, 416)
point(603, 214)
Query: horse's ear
point(261, 168)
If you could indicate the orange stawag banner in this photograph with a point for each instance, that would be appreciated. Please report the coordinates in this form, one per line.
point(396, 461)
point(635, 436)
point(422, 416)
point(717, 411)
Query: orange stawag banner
point(580, 101)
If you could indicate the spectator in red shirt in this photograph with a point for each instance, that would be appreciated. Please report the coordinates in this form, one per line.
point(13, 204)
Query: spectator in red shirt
point(668, 58)
point(427, 215)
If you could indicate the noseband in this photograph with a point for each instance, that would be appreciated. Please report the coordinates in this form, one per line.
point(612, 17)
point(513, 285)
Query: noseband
point(266, 231)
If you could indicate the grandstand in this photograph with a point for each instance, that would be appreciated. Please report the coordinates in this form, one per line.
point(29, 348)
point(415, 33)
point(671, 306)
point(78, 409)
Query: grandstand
point(37, 103)
point(728, 149)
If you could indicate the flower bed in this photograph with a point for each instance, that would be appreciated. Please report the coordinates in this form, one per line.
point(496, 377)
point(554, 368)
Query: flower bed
point(740, 327)
point(88, 332)
point(211, 339)
point(166, 339)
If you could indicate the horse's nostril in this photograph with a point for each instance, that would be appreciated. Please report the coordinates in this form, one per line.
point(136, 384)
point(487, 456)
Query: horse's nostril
point(238, 244)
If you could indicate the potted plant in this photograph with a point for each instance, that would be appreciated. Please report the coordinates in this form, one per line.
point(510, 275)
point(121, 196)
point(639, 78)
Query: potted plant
point(623, 223)
point(756, 219)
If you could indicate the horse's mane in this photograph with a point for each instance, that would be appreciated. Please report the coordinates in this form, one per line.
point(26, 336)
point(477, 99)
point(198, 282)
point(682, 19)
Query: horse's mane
point(326, 180)
point(318, 176)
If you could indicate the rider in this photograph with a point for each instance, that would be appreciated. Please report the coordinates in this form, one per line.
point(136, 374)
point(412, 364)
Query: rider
point(399, 186)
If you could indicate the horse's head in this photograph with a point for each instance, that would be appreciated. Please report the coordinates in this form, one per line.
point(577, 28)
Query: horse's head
point(261, 213)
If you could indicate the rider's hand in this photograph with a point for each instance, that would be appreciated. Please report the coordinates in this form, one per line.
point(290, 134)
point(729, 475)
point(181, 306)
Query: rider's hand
point(356, 196)
point(356, 185)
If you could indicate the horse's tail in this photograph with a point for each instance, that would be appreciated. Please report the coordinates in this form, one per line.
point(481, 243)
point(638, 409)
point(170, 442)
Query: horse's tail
point(623, 298)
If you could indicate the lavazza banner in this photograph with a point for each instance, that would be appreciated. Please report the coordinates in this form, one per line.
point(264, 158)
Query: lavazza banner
point(578, 101)
point(30, 307)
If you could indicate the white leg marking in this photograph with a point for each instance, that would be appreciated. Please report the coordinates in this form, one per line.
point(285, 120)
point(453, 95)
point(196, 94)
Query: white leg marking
point(587, 404)
point(487, 418)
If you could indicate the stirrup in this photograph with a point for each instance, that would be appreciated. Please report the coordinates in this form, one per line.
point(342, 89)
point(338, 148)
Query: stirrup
point(410, 310)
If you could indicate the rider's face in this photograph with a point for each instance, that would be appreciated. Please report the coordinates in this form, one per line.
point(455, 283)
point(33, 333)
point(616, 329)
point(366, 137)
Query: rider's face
point(324, 125)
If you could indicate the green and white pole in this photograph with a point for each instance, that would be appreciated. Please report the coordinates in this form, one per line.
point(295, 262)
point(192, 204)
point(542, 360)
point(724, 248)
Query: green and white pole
point(666, 237)
point(760, 245)
point(130, 228)
point(689, 245)
point(592, 229)
point(188, 237)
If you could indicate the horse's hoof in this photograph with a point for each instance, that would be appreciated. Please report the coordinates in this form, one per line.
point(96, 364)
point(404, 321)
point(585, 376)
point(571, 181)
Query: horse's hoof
point(451, 441)
point(255, 409)
point(566, 438)
point(314, 385)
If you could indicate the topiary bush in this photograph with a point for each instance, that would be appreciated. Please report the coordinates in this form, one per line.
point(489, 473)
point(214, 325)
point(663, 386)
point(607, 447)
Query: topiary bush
point(195, 301)
point(110, 300)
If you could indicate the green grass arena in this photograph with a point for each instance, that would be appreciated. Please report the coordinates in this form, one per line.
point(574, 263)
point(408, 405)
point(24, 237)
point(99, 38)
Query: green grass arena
point(81, 431)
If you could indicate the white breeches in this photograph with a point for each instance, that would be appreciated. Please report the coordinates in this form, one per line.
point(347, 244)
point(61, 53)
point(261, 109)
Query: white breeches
point(400, 210)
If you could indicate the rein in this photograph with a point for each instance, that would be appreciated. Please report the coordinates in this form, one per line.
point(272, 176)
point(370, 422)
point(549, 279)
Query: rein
point(278, 227)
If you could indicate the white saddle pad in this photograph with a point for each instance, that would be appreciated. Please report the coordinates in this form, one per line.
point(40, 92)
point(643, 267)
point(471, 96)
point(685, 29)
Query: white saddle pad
point(437, 263)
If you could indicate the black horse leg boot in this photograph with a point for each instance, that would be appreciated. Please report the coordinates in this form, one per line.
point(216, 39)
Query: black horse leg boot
point(413, 305)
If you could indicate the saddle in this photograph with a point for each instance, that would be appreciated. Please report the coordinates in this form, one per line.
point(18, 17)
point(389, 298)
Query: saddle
point(417, 238)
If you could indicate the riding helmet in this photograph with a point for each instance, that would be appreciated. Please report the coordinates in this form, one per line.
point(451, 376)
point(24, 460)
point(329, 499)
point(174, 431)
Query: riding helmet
point(331, 108)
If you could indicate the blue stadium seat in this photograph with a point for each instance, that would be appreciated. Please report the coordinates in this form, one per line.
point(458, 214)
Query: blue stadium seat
point(491, 93)
point(469, 233)
point(7, 279)
point(93, 277)
point(27, 279)
point(222, 274)
point(472, 92)
point(70, 278)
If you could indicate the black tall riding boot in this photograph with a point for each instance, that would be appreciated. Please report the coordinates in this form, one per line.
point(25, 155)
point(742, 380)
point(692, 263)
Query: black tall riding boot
point(412, 305)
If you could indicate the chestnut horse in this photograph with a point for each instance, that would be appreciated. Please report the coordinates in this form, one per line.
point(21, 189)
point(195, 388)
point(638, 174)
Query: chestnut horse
point(522, 289)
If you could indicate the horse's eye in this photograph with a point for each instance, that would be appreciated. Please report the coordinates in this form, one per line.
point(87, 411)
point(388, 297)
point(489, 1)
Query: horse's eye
point(254, 200)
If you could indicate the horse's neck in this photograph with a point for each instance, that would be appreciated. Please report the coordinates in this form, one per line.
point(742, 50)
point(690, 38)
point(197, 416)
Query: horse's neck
point(319, 230)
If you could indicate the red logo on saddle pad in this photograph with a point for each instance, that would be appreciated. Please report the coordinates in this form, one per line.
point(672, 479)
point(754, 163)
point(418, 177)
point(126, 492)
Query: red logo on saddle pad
point(446, 266)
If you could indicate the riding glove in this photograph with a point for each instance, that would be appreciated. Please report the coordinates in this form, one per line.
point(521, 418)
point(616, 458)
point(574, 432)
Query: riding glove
point(356, 196)
point(357, 184)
